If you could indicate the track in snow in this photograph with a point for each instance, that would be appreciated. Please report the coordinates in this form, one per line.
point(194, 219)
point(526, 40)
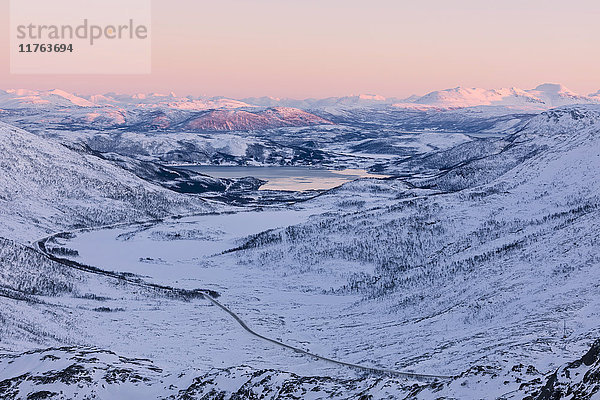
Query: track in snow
point(210, 295)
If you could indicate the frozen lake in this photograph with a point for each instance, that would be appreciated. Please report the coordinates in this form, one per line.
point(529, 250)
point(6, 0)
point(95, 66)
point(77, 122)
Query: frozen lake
point(286, 178)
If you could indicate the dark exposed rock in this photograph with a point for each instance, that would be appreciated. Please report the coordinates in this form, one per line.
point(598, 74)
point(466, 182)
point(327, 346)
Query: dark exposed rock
point(578, 380)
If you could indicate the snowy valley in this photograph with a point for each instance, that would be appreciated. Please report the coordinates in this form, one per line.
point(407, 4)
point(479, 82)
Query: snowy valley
point(464, 264)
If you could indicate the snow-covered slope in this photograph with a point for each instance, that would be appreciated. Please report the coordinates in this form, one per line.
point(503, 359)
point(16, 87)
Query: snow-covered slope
point(488, 269)
point(179, 180)
point(237, 120)
point(555, 95)
point(23, 98)
point(470, 97)
point(481, 262)
point(41, 99)
point(329, 103)
point(70, 372)
point(45, 185)
point(166, 101)
point(544, 96)
point(150, 112)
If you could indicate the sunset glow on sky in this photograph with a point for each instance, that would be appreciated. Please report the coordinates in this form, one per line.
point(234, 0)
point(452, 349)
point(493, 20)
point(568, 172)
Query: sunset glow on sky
point(320, 48)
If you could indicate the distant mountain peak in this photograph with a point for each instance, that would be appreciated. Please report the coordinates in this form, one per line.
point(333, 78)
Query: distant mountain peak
point(544, 96)
point(78, 101)
point(21, 98)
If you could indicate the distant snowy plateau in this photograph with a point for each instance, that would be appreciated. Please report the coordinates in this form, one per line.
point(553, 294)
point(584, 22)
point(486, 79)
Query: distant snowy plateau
point(472, 271)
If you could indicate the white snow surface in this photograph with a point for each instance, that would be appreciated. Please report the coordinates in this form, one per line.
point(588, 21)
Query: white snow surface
point(543, 97)
point(485, 265)
point(46, 187)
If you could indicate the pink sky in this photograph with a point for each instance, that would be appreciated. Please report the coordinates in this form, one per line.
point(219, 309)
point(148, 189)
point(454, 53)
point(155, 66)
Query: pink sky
point(320, 48)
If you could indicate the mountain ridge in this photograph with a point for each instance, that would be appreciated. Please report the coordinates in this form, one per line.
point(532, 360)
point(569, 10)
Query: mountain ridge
point(57, 186)
point(543, 96)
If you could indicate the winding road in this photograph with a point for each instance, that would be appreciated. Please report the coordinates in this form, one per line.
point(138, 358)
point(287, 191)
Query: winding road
point(40, 245)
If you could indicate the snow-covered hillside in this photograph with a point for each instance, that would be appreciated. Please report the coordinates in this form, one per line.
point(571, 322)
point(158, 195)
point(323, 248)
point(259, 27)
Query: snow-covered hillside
point(71, 372)
point(166, 101)
point(47, 186)
point(245, 120)
point(476, 261)
point(359, 138)
point(543, 97)
point(476, 264)
point(23, 98)
point(482, 271)
point(149, 112)
point(41, 99)
point(328, 104)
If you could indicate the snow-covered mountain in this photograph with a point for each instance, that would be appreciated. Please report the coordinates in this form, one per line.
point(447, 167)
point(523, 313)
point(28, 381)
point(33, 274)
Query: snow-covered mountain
point(170, 112)
point(166, 101)
point(542, 97)
point(507, 241)
point(331, 103)
point(555, 95)
point(23, 98)
point(173, 120)
point(152, 111)
point(477, 259)
point(47, 186)
point(478, 264)
point(237, 120)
